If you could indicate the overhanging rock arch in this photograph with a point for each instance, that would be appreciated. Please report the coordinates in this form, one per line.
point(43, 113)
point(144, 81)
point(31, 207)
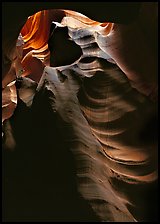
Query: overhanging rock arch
point(100, 172)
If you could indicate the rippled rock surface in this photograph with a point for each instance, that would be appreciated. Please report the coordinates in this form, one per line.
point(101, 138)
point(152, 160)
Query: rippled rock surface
point(77, 132)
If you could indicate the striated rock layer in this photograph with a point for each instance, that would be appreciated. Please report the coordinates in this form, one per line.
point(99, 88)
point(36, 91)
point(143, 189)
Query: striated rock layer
point(78, 132)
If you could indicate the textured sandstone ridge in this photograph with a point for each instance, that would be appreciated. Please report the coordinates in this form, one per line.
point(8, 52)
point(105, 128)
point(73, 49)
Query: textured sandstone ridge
point(77, 128)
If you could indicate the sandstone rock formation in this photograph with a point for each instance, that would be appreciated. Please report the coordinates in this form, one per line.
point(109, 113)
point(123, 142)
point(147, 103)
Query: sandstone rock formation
point(76, 130)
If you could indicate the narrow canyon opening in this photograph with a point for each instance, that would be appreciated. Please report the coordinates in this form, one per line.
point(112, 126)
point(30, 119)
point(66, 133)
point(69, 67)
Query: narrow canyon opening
point(79, 113)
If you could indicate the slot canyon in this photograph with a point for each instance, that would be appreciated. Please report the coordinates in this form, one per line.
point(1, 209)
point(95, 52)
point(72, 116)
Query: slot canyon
point(79, 111)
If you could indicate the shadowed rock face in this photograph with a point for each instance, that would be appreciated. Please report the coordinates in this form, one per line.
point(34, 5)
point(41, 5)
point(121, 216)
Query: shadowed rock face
point(62, 50)
point(78, 153)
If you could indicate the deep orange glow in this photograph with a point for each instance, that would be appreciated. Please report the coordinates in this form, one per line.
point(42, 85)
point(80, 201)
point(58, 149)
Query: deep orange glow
point(36, 30)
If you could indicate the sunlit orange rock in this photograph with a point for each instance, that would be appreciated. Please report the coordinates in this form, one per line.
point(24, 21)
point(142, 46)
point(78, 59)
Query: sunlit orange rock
point(82, 122)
